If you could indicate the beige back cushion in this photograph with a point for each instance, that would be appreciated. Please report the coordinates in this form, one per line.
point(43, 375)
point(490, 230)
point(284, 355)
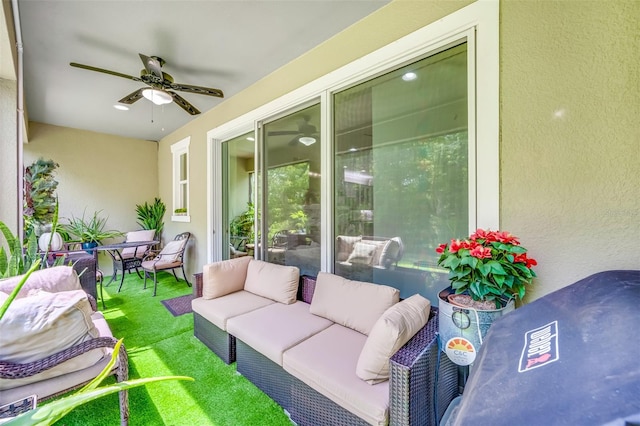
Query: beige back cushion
point(393, 329)
point(45, 323)
point(225, 277)
point(59, 278)
point(344, 246)
point(172, 250)
point(133, 236)
point(353, 304)
point(275, 282)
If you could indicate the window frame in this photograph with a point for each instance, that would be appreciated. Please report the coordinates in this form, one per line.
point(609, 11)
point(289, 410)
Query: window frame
point(478, 24)
point(179, 149)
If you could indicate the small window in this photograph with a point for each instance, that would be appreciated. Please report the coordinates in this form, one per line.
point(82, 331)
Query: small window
point(180, 153)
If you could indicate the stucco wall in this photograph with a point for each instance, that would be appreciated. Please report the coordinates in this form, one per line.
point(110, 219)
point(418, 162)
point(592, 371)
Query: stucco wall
point(570, 135)
point(8, 156)
point(97, 172)
point(391, 22)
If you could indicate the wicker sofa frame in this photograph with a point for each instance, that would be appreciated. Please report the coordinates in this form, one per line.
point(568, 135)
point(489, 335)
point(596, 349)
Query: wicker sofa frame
point(413, 379)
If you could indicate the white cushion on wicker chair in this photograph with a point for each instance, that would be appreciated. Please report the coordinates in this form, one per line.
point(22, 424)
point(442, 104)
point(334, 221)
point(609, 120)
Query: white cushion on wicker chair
point(43, 324)
point(59, 278)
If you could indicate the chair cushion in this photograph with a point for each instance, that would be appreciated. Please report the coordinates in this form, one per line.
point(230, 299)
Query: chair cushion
point(43, 324)
point(160, 265)
point(172, 250)
point(393, 329)
point(222, 278)
point(354, 304)
point(59, 278)
point(62, 376)
point(275, 282)
point(143, 235)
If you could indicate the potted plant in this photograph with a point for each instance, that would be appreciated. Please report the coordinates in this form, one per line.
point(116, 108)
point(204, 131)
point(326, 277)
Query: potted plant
point(39, 196)
point(150, 216)
point(488, 271)
point(180, 212)
point(90, 232)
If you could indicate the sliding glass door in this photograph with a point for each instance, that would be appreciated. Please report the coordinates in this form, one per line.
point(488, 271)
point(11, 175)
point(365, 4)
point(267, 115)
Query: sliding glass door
point(401, 172)
point(290, 200)
point(237, 205)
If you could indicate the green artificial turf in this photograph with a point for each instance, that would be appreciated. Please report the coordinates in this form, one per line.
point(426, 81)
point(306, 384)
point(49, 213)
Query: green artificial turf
point(160, 344)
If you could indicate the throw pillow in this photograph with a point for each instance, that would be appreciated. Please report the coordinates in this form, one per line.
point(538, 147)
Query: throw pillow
point(344, 246)
point(59, 278)
point(393, 329)
point(390, 252)
point(362, 253)
point(275, 282)
point(225, 277)
point(353, 304)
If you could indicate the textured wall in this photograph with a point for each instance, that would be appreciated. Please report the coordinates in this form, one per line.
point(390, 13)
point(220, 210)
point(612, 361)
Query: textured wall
point(570, 135)
point(8, 141)
point(97, 172)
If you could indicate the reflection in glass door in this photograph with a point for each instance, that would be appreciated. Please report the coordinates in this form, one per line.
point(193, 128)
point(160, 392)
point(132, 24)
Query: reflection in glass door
point(237, 206)
point(291, 210)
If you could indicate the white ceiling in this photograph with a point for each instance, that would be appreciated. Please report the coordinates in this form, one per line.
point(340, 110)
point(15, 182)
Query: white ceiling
point(227, 45)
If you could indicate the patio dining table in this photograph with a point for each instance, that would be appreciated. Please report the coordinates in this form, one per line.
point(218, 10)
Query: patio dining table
point(115, 251)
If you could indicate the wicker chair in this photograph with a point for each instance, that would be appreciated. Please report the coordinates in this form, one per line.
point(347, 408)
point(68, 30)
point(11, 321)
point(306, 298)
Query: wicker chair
point(69, 376)
point(169, 259)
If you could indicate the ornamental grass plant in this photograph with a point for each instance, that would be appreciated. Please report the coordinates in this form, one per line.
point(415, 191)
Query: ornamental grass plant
point(488, 266)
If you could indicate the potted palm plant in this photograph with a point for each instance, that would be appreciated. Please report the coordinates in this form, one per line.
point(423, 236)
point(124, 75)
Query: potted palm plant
point(488, 271)
point(150, 216)
point(89, 231)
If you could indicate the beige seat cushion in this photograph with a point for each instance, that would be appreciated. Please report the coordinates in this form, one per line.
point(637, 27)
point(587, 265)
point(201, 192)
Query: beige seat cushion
point(393, 329)
point(327, 363)
point(53, 280)
point(61, 377)
point(275, 328)
point(159, 265)
point(45, 323)
point(222, 278)
point(275, 282)
point(219, 310)
point(354, 304)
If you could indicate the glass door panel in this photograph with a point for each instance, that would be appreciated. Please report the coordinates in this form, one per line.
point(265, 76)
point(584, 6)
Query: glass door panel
point(237, 211)
point(291, 211)
point(401, 172)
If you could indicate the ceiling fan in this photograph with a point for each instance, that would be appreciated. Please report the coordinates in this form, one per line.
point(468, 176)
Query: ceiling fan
point(307, 134)
point(160, 82)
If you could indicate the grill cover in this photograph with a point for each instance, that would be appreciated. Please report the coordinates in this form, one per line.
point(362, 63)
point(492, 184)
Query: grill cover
point(569, 358)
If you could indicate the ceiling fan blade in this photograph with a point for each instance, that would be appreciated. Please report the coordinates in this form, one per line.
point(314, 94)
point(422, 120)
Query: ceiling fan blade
point(182, 103)
point(132, 97)
point(117, 74)
point(197, 89)
point(152, 64)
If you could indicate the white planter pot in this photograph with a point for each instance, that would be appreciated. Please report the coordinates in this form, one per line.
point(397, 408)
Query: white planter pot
point(56, 241)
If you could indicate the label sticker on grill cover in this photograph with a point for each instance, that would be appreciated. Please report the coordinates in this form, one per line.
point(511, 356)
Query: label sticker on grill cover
point(540, 347)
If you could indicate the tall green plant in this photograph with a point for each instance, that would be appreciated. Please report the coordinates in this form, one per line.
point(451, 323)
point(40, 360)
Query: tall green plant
point(150, 216)
point(39, 197)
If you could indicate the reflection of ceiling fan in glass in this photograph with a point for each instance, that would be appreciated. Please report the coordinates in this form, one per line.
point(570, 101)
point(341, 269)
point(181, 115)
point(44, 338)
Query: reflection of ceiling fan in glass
point(159, 83)
point(307, 134)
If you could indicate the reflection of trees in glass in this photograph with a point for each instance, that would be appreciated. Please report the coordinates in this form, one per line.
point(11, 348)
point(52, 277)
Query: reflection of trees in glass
point(419, 192)
point(288, 186)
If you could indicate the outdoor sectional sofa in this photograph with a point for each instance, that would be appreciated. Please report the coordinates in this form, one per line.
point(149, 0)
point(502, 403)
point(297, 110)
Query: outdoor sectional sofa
point(321, 347)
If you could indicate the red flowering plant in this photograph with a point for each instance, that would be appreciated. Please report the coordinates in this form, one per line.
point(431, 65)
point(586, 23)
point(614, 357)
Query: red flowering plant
point(489, 265)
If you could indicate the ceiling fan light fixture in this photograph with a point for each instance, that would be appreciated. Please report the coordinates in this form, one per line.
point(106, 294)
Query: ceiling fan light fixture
point(121, 107)
point(307, 140)
point(158, 97)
